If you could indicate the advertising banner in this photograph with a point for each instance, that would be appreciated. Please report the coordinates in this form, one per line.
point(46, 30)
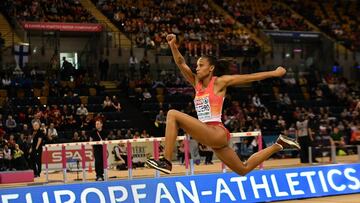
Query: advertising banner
point(140, 151)
point(70, 27)
point(257, 186)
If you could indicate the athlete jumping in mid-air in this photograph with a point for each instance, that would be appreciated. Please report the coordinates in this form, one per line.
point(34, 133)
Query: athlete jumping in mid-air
point(208, 128)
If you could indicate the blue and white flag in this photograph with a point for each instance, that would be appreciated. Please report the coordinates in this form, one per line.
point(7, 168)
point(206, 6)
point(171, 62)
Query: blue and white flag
point(21, 53)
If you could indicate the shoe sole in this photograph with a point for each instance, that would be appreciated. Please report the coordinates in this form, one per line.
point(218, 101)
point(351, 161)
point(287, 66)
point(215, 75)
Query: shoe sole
point(290, 142)
point(154, 166)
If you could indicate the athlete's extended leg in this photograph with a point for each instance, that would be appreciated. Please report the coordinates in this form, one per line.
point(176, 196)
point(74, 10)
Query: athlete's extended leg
point(231, 159)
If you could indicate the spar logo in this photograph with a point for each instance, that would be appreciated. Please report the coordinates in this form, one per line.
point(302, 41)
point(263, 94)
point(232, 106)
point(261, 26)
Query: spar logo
point(55, 156)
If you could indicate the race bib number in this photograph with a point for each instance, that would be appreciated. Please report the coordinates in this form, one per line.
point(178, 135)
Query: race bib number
point(202, 106)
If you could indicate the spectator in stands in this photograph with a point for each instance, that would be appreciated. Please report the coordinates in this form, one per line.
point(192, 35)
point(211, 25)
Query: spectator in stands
point(337, 139)
point(7, 158)
point(66, 112)
point(83, 136)
point(206, 152)
point(355, 134)
point(144, 134)
point(52, 135)
point(2, 161)
point(22, 143)
point(44, 130)
point(287, 99)
point(136, 135)
point(146, 95)
point(36, 148)
point(107, 104)
point(256, 101)
point(10, 124)
point(86, 122)
point(120, 156)
point(6, 81)
point(8, 106)
point(57, 119)
point(119, 134)
point(19, 161)
point(111, 135)
point(116, 104)
point(99, 116)
point(128, 134)
point(160, 122)
point(318, 94)
point(98, 135)
point(3, 141)
point(71, 123)
point(11, 142)
point(75, 137)
point(82, 110)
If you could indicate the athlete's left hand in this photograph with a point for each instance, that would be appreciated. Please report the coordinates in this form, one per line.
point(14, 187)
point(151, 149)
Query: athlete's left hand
point(280, 71)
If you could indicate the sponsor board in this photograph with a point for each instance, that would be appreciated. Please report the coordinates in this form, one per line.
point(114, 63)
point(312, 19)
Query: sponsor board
point(257, 186)
point(69, 27)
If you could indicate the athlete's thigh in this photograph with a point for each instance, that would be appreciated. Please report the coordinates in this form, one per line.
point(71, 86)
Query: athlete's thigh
point(212, 136)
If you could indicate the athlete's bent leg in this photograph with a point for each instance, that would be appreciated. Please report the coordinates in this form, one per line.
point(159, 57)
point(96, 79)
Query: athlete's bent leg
point(209, 135)
point(212, 136)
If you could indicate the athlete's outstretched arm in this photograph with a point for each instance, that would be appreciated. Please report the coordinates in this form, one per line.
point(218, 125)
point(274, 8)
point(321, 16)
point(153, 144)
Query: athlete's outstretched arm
point(180, 60)
point(230, 80)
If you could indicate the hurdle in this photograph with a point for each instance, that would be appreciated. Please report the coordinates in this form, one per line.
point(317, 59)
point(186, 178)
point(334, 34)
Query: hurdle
point(256, 134)
point(128, 143)
point(189, 166)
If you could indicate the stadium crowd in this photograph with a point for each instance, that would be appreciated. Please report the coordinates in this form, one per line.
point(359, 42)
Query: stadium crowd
point(264, 15)
point(47, 11)
point(338, 19)
point(202, 29)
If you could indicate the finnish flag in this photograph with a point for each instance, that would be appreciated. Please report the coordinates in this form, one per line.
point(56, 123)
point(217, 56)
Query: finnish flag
point(21, 53)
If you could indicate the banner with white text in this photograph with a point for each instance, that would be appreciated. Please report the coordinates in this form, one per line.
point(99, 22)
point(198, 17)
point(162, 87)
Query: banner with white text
point(257, 186)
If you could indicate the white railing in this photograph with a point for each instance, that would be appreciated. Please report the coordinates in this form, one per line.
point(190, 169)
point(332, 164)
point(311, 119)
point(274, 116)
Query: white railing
point(82, 154)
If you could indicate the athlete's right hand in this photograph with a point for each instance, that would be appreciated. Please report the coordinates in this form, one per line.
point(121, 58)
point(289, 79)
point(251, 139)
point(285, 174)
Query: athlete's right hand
point(171, 39)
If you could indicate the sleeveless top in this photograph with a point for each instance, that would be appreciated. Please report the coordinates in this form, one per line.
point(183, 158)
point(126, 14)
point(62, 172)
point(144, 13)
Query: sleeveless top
point(208, 106)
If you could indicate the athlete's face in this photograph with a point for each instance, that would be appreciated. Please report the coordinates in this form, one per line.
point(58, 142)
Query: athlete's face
point(203, 68)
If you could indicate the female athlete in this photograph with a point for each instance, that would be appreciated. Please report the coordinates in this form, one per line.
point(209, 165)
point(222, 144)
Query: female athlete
point(208, 128)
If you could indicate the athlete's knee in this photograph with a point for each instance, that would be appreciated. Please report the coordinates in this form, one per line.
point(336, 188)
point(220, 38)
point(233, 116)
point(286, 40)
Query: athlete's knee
point(172, 113)
point(242, 172)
